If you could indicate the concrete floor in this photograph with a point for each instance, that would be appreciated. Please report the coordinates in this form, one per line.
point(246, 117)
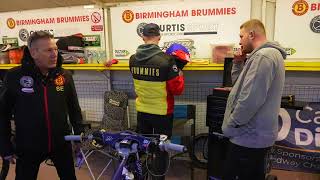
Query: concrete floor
point(179, 170)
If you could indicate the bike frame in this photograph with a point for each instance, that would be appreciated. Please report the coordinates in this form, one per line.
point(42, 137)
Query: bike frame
point(128, 144)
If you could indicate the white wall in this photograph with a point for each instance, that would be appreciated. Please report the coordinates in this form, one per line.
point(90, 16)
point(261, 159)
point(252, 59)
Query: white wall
point(263, 10)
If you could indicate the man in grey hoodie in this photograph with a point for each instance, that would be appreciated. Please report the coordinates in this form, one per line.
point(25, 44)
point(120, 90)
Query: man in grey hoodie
point(251, 116)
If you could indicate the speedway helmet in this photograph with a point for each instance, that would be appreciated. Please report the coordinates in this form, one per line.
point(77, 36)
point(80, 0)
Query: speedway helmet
point(181, 54)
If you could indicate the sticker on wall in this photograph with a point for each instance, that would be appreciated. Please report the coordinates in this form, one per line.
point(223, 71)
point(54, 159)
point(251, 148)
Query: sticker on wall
point(96, 17)
point(12, 41)
point(23, 35)
point(92, 40)
point(300, 7)
point(97, 28)
point(290, 51)
point(315, 24)
point(127, 16)
point(121, 52)
point(11, 23)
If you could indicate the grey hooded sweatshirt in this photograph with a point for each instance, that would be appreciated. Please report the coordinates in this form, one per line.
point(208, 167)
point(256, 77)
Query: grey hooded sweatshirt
point(251, 116)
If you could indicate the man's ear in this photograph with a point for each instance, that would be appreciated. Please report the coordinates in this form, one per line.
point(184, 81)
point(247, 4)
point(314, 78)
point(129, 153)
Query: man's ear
point(252, 35)
point(33, 53)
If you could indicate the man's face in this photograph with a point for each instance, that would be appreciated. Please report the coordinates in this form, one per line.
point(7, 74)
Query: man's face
point(45, 53)
point(245, 41)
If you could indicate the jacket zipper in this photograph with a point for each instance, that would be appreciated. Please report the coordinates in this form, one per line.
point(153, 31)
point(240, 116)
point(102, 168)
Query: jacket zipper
point(47, 118)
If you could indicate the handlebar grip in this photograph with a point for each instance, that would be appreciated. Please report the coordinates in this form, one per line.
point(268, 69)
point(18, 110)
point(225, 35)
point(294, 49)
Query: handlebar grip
point(175, 147)
point(73, 138)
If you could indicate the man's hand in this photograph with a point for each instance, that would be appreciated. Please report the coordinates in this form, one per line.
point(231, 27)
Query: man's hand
point(239, 57)
point(11, 159)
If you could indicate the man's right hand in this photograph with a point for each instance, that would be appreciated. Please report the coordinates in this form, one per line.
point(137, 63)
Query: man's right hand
point(11, 159)
point(239, 57)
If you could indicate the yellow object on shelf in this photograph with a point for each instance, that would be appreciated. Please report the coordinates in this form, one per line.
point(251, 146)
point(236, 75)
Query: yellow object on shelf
point(200, 62)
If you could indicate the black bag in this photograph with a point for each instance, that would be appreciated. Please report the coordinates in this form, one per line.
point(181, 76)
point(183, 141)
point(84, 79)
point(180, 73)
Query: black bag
point(71, 48)
point(216, 106)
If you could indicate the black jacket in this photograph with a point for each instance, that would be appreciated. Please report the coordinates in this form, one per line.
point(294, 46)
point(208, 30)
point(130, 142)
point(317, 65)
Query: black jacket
point(156, 80)
point(39, 106)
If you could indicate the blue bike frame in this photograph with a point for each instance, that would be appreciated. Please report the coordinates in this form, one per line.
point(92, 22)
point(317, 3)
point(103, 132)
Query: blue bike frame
point(127, 144)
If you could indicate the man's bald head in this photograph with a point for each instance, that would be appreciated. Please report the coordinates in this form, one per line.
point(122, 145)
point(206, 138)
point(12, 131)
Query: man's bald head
point(254, 25)
point(252, 35)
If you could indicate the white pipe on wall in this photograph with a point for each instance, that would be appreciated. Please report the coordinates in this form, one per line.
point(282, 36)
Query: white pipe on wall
point(256, 9)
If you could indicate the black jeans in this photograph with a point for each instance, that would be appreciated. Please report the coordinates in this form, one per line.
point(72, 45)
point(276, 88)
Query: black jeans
point(28, 164)
point(244, 163)
point(156, 124)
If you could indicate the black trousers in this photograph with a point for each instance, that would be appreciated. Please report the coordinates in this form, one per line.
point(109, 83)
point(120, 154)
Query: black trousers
point(28, 164)
point(156, 124)
point(244, 163)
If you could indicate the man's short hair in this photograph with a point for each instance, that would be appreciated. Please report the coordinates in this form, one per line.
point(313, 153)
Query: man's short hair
point(150, 30)
point(254, 25)
point(38, 35)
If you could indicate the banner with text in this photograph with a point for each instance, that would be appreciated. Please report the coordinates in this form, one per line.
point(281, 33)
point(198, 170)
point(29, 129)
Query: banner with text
point(193, 24)
point(59, 21)
point(298, 144)
point(297, 28)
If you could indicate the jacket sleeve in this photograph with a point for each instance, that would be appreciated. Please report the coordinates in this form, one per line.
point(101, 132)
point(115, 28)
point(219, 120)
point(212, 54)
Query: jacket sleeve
point(176, 85)
point(6, 104)
point(74, 109)
point(236, 70)
point(175, 82)
point(254, 90)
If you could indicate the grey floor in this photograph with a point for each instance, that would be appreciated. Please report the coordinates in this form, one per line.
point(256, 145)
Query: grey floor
point(179, 170)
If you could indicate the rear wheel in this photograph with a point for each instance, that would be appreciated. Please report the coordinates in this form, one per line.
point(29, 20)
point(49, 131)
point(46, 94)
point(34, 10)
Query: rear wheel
point(198, 150)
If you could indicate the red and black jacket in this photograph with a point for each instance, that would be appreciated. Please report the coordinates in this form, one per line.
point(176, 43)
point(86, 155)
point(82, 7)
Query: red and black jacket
point(156, 80)
point(40, 107)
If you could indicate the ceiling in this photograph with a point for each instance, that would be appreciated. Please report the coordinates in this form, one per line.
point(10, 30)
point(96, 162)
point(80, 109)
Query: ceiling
point(16, 5)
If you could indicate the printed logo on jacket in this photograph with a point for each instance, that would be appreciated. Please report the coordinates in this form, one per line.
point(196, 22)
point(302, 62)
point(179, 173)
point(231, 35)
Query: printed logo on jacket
point(59, 82)
point(27, 82)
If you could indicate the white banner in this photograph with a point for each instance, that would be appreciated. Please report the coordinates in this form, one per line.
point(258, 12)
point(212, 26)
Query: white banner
point(194, 24)
point(298, 27)
point(59, 21)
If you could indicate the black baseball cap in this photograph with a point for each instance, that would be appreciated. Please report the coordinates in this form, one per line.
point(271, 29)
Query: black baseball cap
point(151, 29)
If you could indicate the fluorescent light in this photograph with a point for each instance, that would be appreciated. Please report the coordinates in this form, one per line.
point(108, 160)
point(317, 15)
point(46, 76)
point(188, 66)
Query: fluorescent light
point(88, 6)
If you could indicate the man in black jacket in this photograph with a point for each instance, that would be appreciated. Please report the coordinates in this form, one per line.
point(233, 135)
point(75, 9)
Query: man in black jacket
point(39, 96)
point(157, 80)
